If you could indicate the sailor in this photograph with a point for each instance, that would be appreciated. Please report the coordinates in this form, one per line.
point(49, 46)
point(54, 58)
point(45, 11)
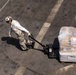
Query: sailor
point(19, 30)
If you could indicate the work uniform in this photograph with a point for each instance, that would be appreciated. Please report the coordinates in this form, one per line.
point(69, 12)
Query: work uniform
point(19, 30)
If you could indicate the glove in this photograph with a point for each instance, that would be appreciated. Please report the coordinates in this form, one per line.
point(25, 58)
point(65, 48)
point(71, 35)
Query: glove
point(9, 35)
point(29, 34)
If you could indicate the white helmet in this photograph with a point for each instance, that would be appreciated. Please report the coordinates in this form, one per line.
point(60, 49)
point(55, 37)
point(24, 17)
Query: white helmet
point(8, 18)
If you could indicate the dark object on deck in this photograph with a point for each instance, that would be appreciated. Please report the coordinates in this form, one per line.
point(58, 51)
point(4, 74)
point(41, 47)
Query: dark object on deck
point(47, 49)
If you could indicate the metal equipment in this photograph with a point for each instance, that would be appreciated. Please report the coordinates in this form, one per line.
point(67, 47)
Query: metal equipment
point(47, 49)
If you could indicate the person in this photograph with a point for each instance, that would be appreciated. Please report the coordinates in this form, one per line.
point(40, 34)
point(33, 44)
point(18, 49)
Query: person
point(19, 30)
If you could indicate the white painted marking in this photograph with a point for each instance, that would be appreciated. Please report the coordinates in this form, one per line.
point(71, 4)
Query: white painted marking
point(3, 8)
point(42, 33)
point(20, 70)
point(48, 22)
point(4, 5)
point(64, 69)
point(54, 11)
point(44, 29)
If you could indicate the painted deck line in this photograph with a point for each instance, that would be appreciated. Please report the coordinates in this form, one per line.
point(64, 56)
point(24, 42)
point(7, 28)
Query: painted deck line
point(64, 69)
point(3, 8)
point(20, 70)
point(42, 33)
point(4, 5)
point(48, 22)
